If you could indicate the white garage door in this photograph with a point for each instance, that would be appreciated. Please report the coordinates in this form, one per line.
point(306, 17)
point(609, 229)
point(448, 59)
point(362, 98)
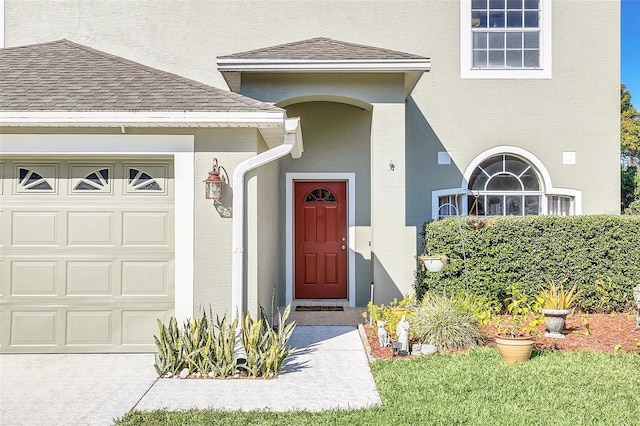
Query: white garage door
point(87, 260)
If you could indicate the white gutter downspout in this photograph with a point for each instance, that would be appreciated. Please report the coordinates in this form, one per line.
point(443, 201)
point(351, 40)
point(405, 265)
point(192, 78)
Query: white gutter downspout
point(292, 139)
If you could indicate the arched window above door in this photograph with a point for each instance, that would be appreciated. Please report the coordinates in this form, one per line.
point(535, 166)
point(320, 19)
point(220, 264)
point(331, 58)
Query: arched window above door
point(320, 195)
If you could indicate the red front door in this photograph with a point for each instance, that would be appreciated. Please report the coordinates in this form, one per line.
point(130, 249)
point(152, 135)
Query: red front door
point(320, 240)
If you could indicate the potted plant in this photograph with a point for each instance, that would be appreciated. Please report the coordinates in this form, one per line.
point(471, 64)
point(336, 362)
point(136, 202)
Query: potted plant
point(517, 329)
point(556, 303)
point(435, 262)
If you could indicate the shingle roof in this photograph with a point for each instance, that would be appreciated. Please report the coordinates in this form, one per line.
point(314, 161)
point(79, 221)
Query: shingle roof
point(65, 76)
point(322, 48)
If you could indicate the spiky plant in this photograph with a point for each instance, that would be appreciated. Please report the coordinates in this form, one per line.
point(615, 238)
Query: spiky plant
point(209, 347)
point(197, 340)
point(278, 348)
point(169, 357)
point(556, 297)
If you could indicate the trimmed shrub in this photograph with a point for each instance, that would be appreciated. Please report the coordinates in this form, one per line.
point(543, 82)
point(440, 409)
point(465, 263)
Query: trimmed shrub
point(438, 322)
point(601, 254)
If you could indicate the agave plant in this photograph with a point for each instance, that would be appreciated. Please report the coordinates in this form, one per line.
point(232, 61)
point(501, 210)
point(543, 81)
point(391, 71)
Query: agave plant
point(556, 297)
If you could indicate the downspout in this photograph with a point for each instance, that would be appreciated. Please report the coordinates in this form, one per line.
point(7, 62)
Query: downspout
point(292, 139)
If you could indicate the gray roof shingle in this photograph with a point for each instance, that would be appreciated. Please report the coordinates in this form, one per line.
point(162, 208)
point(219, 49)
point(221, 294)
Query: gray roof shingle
point(321, 49)
point(66, 76)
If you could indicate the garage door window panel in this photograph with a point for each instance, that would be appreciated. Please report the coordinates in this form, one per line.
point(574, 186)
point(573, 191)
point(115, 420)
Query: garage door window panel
point(36, 179)
point(91, 179)
point(146, 179)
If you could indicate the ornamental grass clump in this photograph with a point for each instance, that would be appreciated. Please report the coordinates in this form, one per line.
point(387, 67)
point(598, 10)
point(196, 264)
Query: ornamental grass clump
point(437, 321)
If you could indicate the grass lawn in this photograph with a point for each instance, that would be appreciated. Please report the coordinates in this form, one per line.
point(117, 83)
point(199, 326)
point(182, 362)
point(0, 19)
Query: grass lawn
point(478, 388)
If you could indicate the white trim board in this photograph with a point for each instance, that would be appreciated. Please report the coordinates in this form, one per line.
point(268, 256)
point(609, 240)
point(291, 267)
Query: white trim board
point(180, 146)
point(350, 178)
point(313, 65)
point(2, 24)
point(175, 118)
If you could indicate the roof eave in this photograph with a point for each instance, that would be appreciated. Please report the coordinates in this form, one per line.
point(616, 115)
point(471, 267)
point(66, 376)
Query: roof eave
point(411, 68)
point(269, 123)
point(314, 65)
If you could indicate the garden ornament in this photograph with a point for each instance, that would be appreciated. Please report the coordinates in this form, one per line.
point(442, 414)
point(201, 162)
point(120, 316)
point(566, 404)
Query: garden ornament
point(383, 334)
point(402, 331)
point(636, 295)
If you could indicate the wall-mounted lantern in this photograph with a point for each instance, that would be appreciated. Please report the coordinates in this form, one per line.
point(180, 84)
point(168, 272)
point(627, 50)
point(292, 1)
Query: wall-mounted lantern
point(213, 183)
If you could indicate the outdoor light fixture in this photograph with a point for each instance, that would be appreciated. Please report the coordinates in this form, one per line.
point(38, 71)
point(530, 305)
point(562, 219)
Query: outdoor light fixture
point(213, 184)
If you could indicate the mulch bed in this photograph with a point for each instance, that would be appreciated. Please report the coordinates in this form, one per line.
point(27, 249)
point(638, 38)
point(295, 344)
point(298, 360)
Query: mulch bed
point(607, 333)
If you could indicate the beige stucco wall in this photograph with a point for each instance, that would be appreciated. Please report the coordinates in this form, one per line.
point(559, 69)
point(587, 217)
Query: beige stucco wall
point(213, 231)
point(467, 116)
point(576, 110)
point(263, 228)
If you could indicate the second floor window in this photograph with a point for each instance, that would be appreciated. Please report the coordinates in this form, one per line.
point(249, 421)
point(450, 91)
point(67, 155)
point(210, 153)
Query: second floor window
point(506, 33)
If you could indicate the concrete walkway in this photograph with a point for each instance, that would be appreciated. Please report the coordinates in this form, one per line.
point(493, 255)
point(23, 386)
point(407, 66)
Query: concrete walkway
point(71, 389)
point(328, 370)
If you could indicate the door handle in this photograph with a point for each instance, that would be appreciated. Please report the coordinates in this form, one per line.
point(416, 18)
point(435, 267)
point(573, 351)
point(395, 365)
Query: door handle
point(344, 239)
point(343, 247)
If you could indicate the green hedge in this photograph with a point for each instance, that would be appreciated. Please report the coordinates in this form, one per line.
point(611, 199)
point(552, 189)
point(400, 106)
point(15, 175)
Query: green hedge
point(599, 253)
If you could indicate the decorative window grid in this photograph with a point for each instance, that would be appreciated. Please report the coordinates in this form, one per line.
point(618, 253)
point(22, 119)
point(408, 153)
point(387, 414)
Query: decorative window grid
point(91, 179)
point(561, 205)
point(36, 179)
point(320, 195)
point(506, 34)
point(504, 185)
point(146, 179)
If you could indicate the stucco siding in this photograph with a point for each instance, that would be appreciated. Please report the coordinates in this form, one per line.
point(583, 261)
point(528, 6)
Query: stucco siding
point(369, 88)
point(576, 110)
point(466, 116)
point(269, 247)
point(213, 231)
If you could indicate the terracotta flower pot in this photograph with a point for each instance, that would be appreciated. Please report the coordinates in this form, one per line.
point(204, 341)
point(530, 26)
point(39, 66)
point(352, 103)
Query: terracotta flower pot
point(554, 320)
point(514, 349)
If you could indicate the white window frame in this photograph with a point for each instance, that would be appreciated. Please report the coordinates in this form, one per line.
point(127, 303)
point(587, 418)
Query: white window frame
point(466, 49)
point(548, 190)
